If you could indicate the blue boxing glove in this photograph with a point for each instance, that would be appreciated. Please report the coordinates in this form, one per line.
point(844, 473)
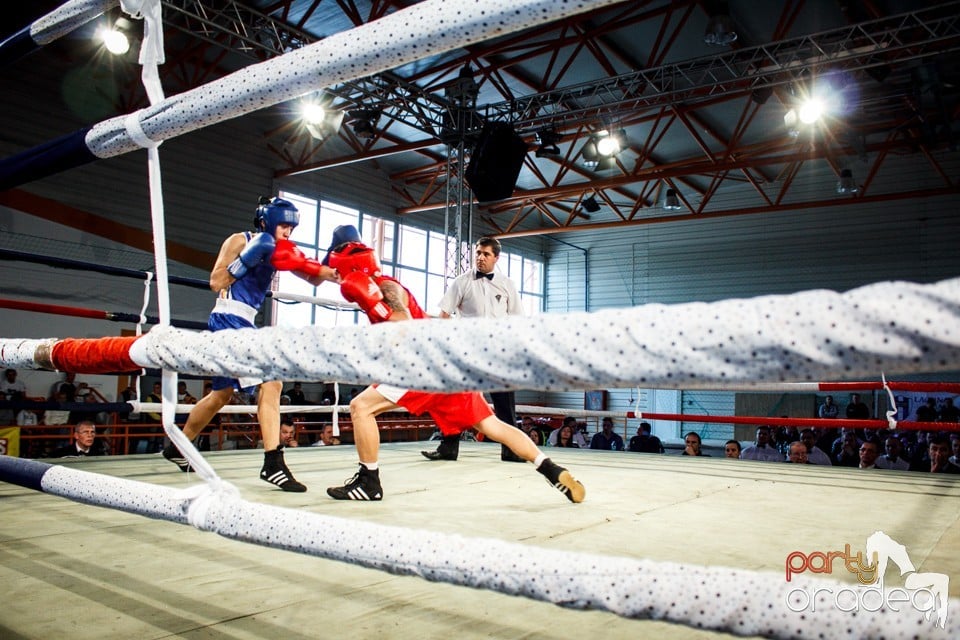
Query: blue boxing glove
point(257, 251)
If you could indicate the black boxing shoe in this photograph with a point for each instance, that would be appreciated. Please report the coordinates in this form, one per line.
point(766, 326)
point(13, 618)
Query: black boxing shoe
point(562, 481)
point(449, 449)
point(173, 454)
point(507, 454)
point(275, 472)
point(364, 485)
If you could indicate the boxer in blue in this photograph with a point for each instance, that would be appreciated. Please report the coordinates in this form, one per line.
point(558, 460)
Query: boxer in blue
point(241, 277)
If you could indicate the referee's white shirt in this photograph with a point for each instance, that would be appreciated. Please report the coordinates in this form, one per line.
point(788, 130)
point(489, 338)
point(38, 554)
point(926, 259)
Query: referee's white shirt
point(473, 297)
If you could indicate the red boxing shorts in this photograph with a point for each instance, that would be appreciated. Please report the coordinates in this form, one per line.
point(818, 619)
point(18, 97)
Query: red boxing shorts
point(454, 413)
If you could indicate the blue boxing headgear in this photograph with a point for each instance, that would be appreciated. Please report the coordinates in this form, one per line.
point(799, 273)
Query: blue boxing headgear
point(341, 235)
point(273, 212)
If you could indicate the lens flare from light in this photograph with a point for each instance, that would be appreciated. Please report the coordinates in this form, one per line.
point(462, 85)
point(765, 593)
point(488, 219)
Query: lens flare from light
point(312, 113)
point(811, 110)
point(115, 41)
point(608, 146)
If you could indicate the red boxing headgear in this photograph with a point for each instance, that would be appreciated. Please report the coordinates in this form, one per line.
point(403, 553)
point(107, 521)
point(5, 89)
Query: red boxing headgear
point(355, 256)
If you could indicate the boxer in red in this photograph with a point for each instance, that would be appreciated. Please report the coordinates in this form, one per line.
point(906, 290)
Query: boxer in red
point(384, 299)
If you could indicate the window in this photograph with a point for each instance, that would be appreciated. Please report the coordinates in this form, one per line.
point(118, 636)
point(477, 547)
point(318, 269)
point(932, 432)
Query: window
point(415, 257)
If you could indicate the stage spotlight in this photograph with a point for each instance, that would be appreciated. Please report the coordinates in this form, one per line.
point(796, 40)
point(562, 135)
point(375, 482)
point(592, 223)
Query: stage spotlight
point(610, 144)
point(811, 110)
point(590, 205)
point(846, 184)
point(114, 40)
point(720, 30)
point(319, 121)
point(671, 202)
point(547, 140)
point(591, 158)
point(364, 122)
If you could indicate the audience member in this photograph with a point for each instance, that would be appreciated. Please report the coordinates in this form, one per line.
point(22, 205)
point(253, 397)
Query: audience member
point(939, 450)
point(57, 416)
point(644, 442)
point(183, 395)
point(828, 409)
point(928, 412)
point(578, 437)
point(782, 437)
point(329, 395)
point(815, 455)
point(869, 452)
point(891, 459)
point(856, 409)
point(732, 449)
point(955, 448)
point(920, 457)
point(84, 443)
point(129, 394)
point(607, 439)
point(693, 445)
point(296, 394)
point(761, 450)
point(949, 413)
point(68, 386)
point(155, 396)
point(288, 432)
point(838, 442)
point(26, 418)
point(566, 437)
point(848, 453)
point(535, 435)
point(326, 437)
point(11, 389)
point(797, 453)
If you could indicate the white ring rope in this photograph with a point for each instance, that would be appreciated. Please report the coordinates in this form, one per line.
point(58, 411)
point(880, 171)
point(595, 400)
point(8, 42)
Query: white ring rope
point(424, 29)
point(66, 18)
point(803, 337)
point(734, 600)
point(325, 302)
point(808, 336)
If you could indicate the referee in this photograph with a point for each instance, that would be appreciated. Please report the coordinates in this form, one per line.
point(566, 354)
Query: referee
point(483, 293)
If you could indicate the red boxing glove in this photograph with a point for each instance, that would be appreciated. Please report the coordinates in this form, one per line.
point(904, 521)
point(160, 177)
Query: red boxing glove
point(359, 288)
point(288, 257)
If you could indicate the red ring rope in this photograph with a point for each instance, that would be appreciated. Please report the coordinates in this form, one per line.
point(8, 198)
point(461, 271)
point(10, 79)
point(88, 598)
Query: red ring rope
point(798, 422)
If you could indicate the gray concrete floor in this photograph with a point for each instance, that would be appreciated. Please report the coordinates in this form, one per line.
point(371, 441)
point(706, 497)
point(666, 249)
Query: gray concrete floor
point(69, 570)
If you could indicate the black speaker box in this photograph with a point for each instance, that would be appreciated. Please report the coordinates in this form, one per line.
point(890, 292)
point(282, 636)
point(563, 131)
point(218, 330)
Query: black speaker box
point(496, 161)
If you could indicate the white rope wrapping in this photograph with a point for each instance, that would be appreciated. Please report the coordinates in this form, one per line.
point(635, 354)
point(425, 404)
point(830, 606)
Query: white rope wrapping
point(724, 599)
point(808, 336)
point(66, 18)
point(422, 30)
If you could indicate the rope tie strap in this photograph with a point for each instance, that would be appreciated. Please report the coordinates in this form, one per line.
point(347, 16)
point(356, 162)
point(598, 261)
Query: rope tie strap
point(205, 500)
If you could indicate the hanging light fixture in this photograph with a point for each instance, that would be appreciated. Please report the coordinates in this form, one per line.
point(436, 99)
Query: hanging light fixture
point(610, 144)
point(364, 122)
point(720, 31)
point(547, 140)
point(671, 202)
point(591, 158)
point(319, 121)
point(114, 38)
point(846, 184)
point(590, 205)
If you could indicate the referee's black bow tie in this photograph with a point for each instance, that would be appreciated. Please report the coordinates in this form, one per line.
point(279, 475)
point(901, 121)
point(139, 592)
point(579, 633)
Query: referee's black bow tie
point(481, 274)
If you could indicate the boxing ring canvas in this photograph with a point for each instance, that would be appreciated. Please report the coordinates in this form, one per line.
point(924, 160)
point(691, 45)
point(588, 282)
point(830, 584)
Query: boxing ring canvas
point(71, 570)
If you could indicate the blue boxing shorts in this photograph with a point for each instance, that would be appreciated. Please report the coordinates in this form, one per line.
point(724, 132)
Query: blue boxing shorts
point(222, 318)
